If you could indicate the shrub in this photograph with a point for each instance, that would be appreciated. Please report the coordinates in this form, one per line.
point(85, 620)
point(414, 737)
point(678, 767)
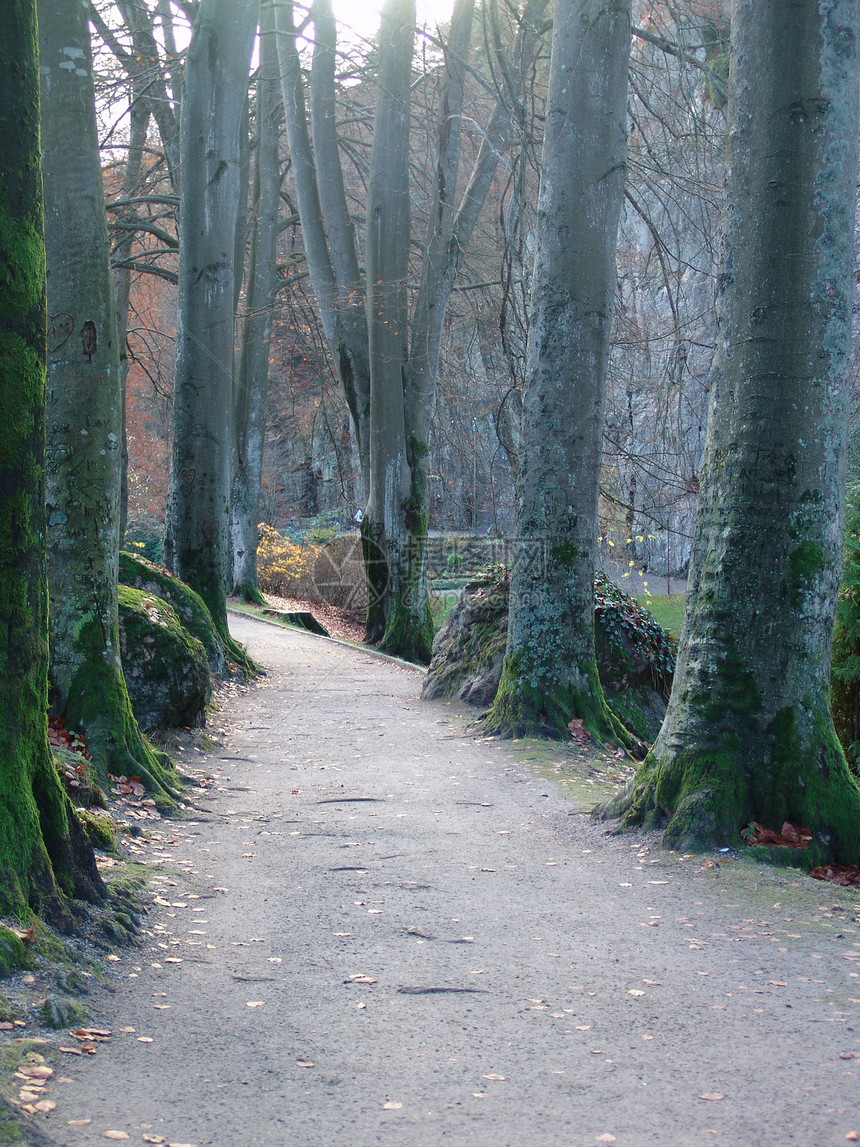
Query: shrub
point(284, 568)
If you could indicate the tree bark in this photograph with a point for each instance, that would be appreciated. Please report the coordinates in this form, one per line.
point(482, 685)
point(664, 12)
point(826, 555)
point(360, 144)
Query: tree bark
point(384, 531)
point(42, 846)
point(748, 734)
point(550, 673)
point(318, 179)
point(252, 381)
point(84, 415)
point(197, 543)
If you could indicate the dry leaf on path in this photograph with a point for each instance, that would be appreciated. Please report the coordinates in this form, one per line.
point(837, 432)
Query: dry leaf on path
point(604, 1138)
point(254, 1003)
point(712, 1095)
point(853, 1136)
point(305, 1063)
point(494, 1075)
point(116, 1135)
point(35, 1071)
point(392, 1106)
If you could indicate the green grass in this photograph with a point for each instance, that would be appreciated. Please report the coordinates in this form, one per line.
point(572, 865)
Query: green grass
point(441, 605)
point(667, 609)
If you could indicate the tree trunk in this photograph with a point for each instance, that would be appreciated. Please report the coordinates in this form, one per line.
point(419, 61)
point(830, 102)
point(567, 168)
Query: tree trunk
point(42, 846)
point(318, 179)
point(84, 415)
point(252, 383)
point(748, 734)
point(197, 542)
point(384, 530)
point(550, 673)
point(138, 126)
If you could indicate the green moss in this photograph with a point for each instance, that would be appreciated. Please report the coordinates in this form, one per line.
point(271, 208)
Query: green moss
point(138, 573)
point(523, 709)
point(100, 829)
point(97, 703)
point(166, 668)
point(15, 955)
point(806, 562)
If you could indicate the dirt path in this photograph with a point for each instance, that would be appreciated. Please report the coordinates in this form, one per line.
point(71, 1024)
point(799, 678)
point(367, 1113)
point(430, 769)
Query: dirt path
point(384, 931)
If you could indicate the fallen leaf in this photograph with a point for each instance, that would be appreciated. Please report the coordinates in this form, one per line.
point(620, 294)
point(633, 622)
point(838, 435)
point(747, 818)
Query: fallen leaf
point(635, 992)
point(712, 1095)
point(847, 1055)
point(604, 1138)
point(145, 1039)
point(71, 1051)
point(790, 837)
point(46, 1105)
point(853, 1136)
point(154, 1139)
point(584, 1027)
point(116, 1135)
point(78, 1122)
point(254, 1003)
point(304, 1063)
point(392, 1106)
point(359, 978)
point(596, 1050)
point(173, 959)
point(778, 983)
point(129, 1031)
point(494, 1075)
point(653, 983)
point(35, 1071)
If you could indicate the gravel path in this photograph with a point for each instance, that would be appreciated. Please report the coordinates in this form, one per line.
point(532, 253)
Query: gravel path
point(381, 930)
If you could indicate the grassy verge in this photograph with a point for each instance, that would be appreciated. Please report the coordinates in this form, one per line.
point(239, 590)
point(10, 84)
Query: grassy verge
point(667, 609)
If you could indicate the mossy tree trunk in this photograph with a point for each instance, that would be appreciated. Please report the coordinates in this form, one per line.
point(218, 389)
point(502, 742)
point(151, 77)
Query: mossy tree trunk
point(197, 538)
point(749, 734)
point(43, 850)
point(250, 399)
point(550, 672)
point(84, 431)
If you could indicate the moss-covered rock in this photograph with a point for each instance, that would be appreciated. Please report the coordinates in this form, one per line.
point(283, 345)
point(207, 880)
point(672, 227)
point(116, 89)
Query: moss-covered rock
point(62, 1012)
point(138, 573)
point(635, 656)
point(167, 669)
